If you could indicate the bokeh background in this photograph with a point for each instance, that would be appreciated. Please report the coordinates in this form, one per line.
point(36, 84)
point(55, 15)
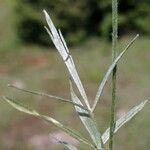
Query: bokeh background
point(29, 60)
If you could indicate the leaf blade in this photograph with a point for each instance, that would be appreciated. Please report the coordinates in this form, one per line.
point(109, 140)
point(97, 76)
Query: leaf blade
point(87, 121)
point(46, 95)
point(68, 145)
point(120, 122)
point(66, 129)
point(108, 73)
point(62, 48)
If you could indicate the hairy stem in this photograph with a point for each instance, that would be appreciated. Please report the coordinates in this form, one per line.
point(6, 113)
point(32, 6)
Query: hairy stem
point(114, 75)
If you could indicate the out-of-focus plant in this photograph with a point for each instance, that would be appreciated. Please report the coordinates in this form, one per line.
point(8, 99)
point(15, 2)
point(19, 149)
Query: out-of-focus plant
point(65, 14)
point(96, 19)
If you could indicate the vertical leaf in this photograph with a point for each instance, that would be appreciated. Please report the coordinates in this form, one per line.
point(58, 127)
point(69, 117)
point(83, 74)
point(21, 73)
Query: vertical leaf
point(87, 121)
point(62, 48)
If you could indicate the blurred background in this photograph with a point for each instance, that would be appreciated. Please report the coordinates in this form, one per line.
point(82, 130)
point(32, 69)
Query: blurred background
point(29, 60)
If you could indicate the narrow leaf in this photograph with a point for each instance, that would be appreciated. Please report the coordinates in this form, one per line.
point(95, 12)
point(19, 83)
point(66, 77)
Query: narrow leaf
point(109, 71)
point(47, 95)
point(69, 146)
point(87, 121)
point(68, 130)
point(120, 122)
point(64, 143)
point(62, 48)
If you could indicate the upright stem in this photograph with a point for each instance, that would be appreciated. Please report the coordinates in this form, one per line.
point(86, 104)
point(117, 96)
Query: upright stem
point(114, 54)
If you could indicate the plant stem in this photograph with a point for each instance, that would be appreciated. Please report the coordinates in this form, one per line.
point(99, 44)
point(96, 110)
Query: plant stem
point(114, 75)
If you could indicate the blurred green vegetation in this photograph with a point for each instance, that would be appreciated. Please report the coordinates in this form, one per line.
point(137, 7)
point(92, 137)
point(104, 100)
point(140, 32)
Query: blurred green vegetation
point(7, 31)
point(40, 68)
point(80, 19)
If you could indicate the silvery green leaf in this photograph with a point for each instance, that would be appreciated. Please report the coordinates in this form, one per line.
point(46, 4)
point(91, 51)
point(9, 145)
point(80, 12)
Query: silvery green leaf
point(47, 95)
point(120, 122)
point(66, 129)
point(62, 48)
point(64, 143)
point(108, 73)
point(87, 121)
point(68, 145)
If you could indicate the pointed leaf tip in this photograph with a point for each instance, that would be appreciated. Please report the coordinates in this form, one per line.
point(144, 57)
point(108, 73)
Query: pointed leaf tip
point(66, 129)
point(124, 119)
point(63, 50)
point(44, 11)
point(109, 71)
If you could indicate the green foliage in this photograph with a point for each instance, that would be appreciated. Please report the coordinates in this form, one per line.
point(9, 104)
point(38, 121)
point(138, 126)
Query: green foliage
point(67, 15)
point(79, 19)
point(133, 15)
point(141, 16)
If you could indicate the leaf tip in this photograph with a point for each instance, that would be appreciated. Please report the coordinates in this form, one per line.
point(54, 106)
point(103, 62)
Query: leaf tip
point(145, 102)
point(44, 11)
point(46, 14)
